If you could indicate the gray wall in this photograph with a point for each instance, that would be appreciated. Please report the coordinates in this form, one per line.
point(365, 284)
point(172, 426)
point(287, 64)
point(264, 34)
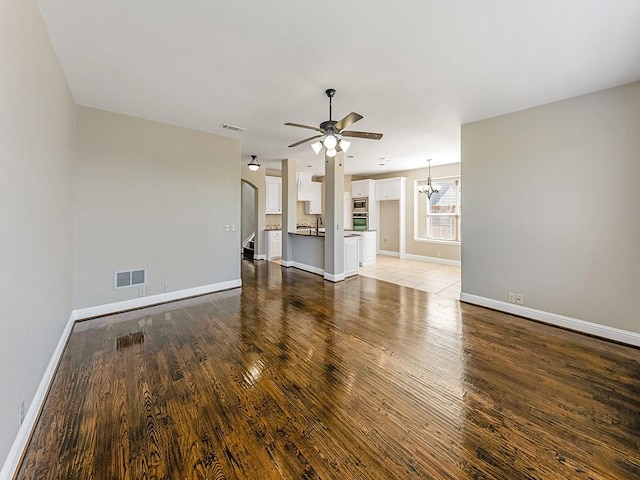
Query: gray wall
point(551, 203)
point(155, 196)
point(37, 117)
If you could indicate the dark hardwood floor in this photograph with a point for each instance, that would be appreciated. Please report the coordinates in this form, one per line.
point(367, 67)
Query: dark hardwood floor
point(295, 377)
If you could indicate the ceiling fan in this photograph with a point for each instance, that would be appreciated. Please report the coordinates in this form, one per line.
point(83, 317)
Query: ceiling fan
point(333, 131)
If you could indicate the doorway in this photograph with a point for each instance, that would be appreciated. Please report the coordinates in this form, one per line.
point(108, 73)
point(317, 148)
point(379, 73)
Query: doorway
point(249, 220)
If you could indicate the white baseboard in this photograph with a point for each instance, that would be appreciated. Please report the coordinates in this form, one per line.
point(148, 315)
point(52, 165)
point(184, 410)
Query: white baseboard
point(286, 263)
point(317, 270)
point(389, 253)
point(109, 308)
point(338, 277)
point(603, 331)
point(260, 257)
point(308, 268)
point(24, 433)
point(442, 261)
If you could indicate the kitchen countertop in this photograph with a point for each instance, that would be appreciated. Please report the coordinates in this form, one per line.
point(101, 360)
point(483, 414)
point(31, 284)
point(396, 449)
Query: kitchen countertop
point(311, 232)
point(308, 232)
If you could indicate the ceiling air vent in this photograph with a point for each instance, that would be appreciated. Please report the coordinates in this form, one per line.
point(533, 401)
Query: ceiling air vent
point(233, 127)
point(130, 278)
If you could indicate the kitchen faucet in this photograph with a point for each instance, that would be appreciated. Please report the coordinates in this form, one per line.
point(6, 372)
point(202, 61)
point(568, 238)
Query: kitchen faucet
point(318, 223)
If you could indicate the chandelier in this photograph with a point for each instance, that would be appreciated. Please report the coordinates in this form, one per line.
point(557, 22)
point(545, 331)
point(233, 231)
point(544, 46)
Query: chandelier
point(429, 189)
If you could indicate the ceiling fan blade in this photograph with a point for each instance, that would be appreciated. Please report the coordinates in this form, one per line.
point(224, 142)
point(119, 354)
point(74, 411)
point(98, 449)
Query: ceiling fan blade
point(350, 119)
point(305, 140)
point(304, 126)
point(367, 135)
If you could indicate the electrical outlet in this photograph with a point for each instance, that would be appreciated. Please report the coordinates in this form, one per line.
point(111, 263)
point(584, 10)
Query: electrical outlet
point(512, 297)
point(148, 290)
point(233, 228)
point(227, 228)
point(519, 299)
point(20, 413)
point(167, 287)
point(142, 291)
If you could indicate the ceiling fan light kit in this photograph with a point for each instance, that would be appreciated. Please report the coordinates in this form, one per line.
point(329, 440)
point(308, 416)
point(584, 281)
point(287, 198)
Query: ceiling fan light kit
point(317, 147)
point(331, 132)
point(330, 142)
point(344, 145)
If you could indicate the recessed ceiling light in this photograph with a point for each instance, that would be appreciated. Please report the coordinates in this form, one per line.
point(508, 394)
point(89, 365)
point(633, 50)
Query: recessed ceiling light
point(349, 156)
point(309, 166)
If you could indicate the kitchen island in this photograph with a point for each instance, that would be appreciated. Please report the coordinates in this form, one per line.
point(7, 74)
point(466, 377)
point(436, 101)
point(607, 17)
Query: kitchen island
point(308, 251)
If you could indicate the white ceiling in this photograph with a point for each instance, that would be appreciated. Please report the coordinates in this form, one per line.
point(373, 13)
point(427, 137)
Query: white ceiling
point(415, 69)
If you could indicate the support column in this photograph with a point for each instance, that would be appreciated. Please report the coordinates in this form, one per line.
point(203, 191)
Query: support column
point(334, 215)
point(402, 215)
point(289, 214)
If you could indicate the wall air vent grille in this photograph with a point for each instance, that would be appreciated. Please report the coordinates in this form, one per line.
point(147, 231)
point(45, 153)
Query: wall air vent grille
point(123, 279)
point(232, 127)
point(130, 278)
point(138, 277)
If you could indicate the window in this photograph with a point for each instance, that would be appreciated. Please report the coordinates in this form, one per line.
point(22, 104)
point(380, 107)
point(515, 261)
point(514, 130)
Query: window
point(439, 218)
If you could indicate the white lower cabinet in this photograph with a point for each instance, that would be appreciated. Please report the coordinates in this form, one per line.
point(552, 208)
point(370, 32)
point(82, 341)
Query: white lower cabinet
point(367, 249)
point(351, 256)
point(274, 244)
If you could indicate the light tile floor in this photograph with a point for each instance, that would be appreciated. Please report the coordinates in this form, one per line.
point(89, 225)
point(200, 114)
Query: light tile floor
point(442, 280)
point(437, 279)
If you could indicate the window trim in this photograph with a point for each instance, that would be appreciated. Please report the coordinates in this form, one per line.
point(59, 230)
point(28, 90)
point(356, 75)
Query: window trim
point(457, 216)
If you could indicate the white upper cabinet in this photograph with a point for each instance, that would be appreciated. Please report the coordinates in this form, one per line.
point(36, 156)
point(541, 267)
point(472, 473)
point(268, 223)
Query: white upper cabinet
point(305, 190)
point(274, 195)
point(362, 188)
point(314, 206)
point(389, 188)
